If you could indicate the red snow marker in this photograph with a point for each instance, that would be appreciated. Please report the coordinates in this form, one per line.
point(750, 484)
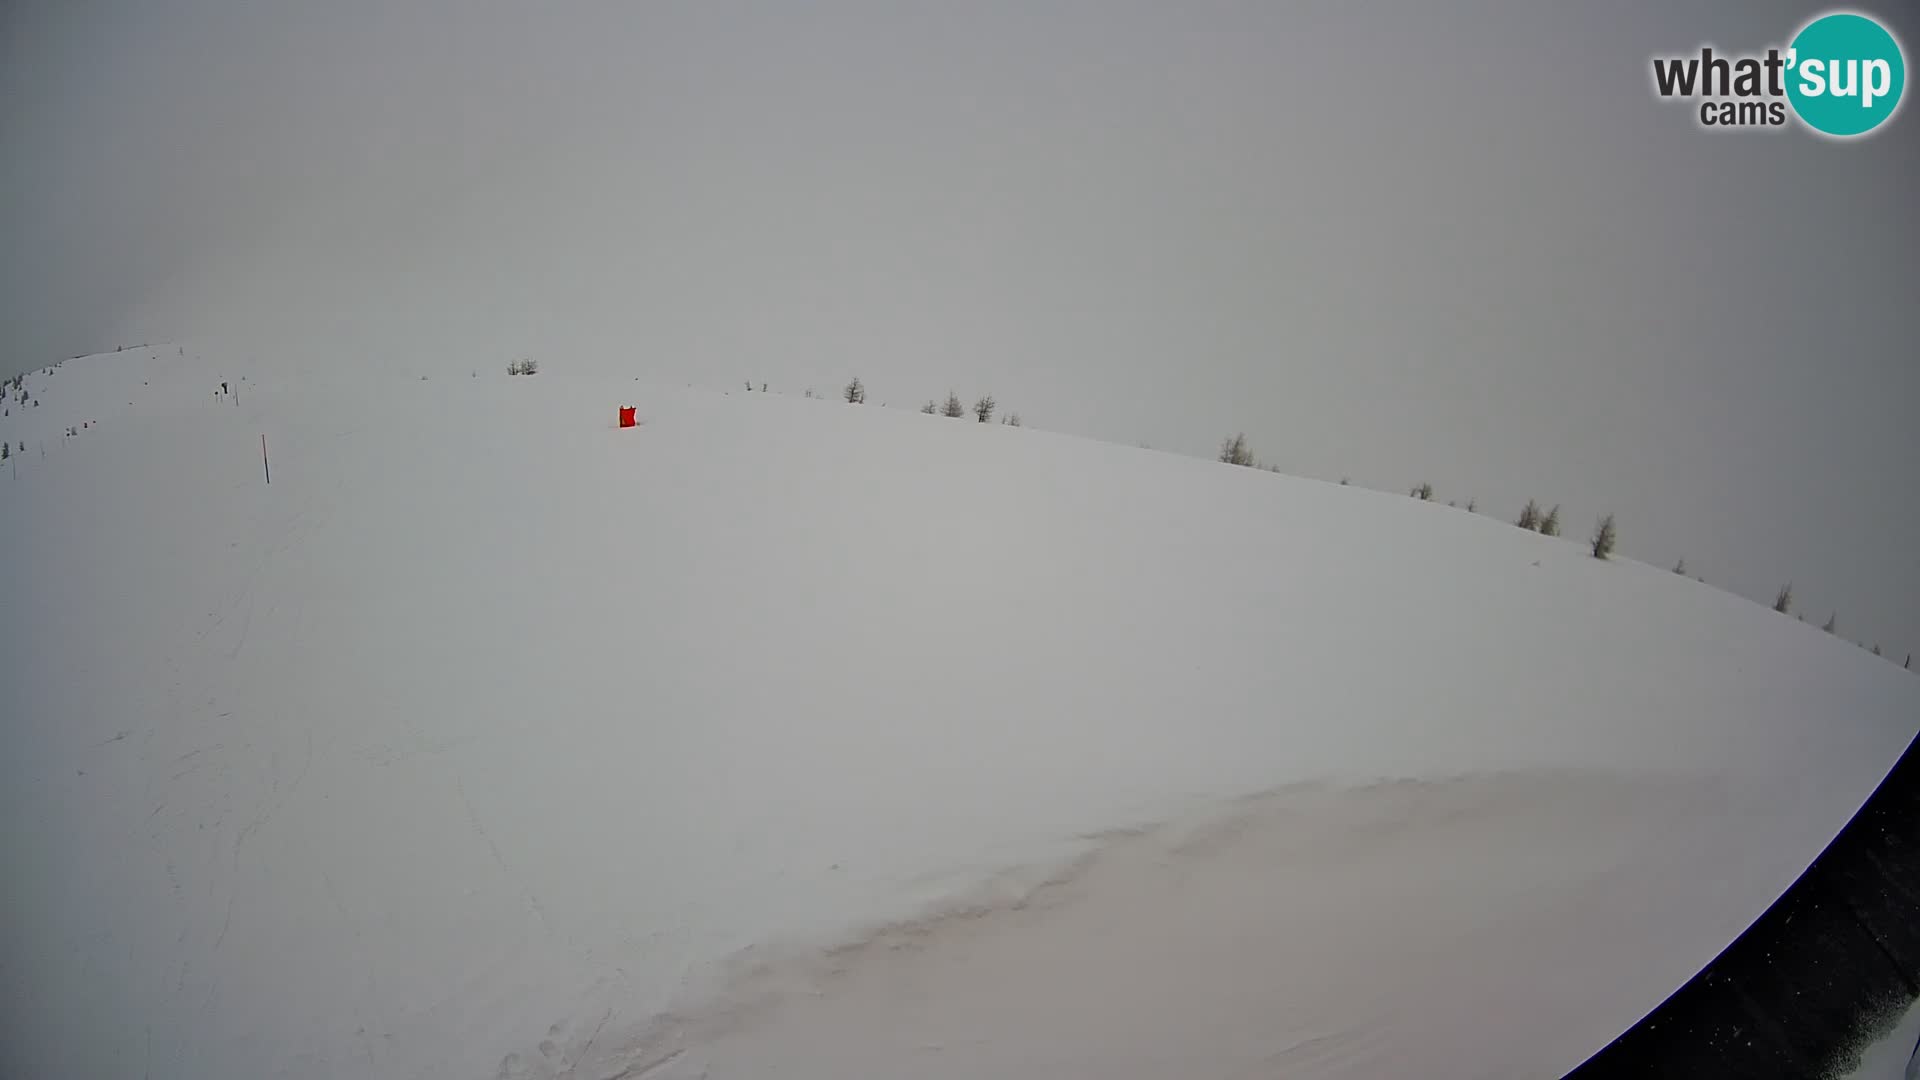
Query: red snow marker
point(626, 416)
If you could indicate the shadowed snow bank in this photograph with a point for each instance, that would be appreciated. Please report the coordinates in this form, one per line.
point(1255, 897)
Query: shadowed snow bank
point(1313, 930)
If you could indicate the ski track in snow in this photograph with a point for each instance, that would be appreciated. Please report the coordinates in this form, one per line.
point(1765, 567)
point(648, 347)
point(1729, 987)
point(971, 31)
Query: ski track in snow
point(784, 735)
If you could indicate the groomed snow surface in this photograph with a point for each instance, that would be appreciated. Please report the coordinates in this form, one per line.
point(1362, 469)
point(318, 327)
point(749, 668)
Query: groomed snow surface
point(788, 737)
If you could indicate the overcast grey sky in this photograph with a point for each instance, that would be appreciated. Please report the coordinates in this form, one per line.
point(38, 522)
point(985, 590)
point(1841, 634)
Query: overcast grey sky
point(1451, 242)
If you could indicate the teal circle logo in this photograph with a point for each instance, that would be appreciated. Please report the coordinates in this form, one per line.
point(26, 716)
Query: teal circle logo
point(1845, 74)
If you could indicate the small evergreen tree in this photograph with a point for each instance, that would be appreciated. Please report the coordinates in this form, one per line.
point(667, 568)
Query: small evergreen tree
point(1783, 600)
point(6, 451)
point(856, 394)
point(1604, 537)
point(1832, 621)
point(930, 408)
point(1550, 525)
point(953, 409)
point(1681, 567)
point(1234, 450)
point(1876, 649)
point(984, 408)
point(1472, 506)
point(1529, 515)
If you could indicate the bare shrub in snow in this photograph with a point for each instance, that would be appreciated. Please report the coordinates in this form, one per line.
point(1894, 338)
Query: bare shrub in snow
point(1234, 450)
point(1529, 515)
point(931, 408)
point(1783, 600)
point(984, 408)
point(1604, 537)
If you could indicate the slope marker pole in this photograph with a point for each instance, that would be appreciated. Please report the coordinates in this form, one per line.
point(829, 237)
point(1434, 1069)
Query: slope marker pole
point(263, 458)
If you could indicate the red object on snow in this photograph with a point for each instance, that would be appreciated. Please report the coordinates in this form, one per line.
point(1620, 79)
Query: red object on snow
point(626, 416)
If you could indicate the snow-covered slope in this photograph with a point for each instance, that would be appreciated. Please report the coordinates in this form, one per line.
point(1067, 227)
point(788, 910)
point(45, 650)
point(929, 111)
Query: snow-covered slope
point(490, 739)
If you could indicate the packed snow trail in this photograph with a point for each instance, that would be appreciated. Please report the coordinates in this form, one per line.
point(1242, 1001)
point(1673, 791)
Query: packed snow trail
point(493, 738)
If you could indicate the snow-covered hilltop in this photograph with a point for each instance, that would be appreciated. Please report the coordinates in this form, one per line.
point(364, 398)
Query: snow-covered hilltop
point(491, 739)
